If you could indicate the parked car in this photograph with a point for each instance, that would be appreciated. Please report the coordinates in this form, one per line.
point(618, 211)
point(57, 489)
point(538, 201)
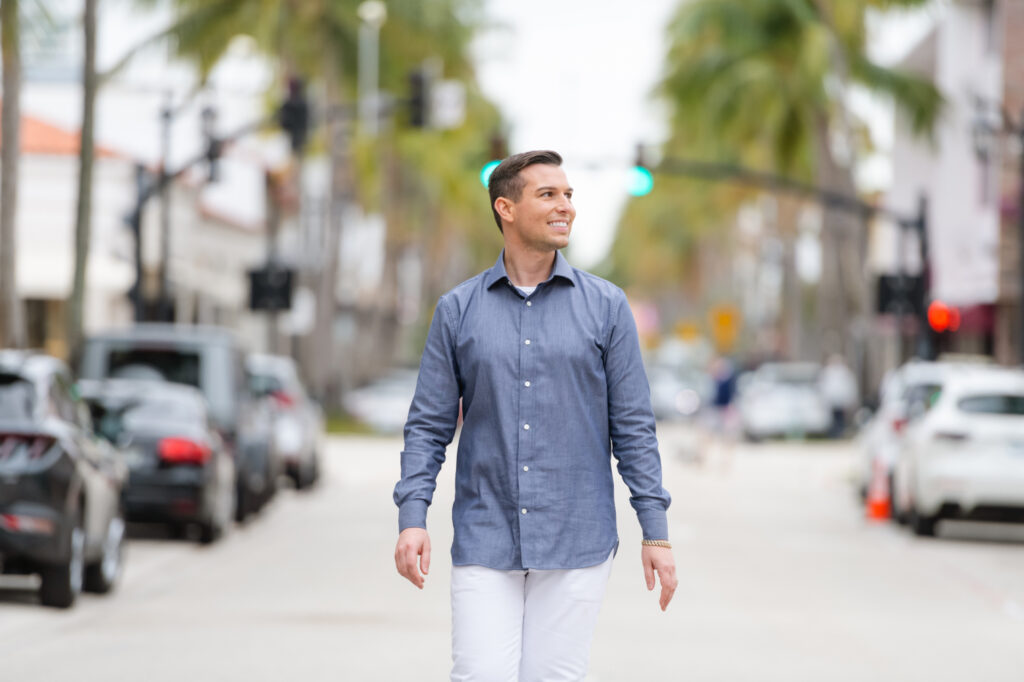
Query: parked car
point(179, 469)
point(963, 456)
point(879, 440)
point(60, 485)
point(782, 399)
point(383, 404)
point(678, 393)
point(210, 359)
point(298, 419)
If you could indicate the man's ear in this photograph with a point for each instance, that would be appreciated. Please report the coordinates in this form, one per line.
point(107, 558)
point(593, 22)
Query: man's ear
point(505, 208)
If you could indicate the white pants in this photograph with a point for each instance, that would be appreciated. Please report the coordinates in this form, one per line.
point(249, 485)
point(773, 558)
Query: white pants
point(524, 626)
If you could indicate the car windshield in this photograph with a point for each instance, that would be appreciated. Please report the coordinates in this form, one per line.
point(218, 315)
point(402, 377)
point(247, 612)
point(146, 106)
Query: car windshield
point(795, 375)
point(922, 393)
point(17, 397)
point(1007, 404)
point(261, 384)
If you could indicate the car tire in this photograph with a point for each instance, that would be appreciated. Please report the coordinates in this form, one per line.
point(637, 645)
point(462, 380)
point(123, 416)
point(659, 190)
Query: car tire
point(101, 576)
point(61, 584)
point(209, 532)
point(922, 525)
point(242, 504)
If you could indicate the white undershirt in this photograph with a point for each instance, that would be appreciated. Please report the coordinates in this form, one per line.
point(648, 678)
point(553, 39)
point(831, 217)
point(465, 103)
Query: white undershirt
point(527, 290)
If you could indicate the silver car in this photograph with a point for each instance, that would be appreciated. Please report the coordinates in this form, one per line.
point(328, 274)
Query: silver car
point(298, 419)
point(783, 399)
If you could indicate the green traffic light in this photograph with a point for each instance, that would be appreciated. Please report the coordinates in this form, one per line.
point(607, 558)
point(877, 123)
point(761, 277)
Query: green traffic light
point(640, 181)
point(485, 174)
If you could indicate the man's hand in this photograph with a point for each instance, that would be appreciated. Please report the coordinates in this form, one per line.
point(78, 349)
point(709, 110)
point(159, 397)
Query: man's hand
point(660, 560)
point(412, 543)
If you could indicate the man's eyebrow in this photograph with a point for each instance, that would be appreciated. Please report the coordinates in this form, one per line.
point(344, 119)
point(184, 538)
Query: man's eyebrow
point(552, 188)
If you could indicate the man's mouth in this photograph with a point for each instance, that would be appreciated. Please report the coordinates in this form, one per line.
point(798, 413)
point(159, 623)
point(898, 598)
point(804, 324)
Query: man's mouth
point(559, 223)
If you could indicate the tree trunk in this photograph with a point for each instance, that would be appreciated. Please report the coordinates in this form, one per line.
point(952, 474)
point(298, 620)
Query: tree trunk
point(83, 213)
point(12, 323)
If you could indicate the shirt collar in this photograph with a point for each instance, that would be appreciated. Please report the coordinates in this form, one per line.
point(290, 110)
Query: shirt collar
point(498, 273)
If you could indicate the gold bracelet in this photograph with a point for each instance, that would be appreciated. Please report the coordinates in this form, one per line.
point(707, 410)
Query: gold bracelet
point(657, 543)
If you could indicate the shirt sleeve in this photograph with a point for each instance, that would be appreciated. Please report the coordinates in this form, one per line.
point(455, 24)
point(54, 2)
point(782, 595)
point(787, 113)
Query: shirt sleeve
point(631, 423)
point(430, 427)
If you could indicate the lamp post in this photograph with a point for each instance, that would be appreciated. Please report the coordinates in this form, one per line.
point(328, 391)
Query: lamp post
point(372, 15)
point(990, 123)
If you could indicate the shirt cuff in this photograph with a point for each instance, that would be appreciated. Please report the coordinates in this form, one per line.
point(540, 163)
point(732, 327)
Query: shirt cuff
point(412, 514)
point(654, 524)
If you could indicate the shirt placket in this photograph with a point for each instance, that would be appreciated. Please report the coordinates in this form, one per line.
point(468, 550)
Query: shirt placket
point(527, 428)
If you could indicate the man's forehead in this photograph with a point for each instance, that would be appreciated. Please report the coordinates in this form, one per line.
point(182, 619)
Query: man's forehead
point(544, 175)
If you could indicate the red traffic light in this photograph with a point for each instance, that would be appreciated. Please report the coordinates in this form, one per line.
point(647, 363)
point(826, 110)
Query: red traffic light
point(942, 317)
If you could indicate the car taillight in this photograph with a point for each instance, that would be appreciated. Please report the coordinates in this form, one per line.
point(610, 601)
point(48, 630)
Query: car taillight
point(283, 399)
point(899, 424)
point(182, 451)
point(21, 446)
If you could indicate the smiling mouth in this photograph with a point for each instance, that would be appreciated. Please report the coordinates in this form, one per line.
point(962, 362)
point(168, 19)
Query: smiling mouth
point(559, 224)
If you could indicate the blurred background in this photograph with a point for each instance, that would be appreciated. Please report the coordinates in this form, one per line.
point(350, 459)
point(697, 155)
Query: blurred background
point(814, 207)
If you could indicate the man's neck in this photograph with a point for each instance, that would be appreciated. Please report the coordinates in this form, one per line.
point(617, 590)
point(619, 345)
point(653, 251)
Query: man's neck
point(527, 268)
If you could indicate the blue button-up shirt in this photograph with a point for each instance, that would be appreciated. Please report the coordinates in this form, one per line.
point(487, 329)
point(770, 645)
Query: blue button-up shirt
point(551, 385)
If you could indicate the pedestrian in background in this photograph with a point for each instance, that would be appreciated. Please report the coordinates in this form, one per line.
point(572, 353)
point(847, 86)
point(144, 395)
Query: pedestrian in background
point(546, 360)
point(839, 388)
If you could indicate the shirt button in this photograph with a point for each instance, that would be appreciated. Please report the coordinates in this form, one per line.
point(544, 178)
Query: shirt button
point(526, 427)
point(523, 510)
point(527, 342)
point(526, 383)
point(529, 303)
point(526, 468)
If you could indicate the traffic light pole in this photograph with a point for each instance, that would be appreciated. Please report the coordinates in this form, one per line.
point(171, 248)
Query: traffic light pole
point(722, 172)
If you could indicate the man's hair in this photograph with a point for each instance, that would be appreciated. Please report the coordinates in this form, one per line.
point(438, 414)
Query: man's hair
point(506, 182)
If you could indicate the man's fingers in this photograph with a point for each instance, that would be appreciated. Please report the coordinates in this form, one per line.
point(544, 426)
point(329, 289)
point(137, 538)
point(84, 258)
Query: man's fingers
point(425, 559)
point(410, 568)
point(669, 582)
point(649, 574)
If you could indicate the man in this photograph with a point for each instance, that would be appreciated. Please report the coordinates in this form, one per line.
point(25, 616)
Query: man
point(546, 362)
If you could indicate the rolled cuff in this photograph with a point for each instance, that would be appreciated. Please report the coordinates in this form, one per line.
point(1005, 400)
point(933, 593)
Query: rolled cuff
point(412, 514)
point(654, 524)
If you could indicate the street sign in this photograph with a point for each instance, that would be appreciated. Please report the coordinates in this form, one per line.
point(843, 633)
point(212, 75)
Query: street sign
point(270, 288)
point(900, 295)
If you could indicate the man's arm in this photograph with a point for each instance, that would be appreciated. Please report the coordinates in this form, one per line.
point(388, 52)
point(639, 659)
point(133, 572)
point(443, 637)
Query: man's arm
point(635, 444)
point(429, 429)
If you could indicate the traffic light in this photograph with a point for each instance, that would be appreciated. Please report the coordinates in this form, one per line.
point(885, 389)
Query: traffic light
point(942, 317)
point(498, 151)
point(419, 98)
point(640, 181)
point(293, 116)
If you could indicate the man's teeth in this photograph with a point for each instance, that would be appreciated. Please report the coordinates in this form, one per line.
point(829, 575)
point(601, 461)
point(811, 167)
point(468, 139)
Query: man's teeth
point(559, 223)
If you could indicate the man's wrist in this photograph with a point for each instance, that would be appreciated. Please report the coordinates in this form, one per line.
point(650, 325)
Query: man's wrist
point(656, 543)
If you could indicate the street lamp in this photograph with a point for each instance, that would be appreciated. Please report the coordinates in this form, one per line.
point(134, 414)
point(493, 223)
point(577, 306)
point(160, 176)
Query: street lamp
point(991, 123)
point(372, 14)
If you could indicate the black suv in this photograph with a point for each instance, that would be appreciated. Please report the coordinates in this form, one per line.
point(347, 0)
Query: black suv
point(212, 360)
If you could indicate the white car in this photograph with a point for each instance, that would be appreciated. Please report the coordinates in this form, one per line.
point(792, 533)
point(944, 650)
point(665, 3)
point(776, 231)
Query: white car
point(783, 399)
point(964, 456)
point(879, 439)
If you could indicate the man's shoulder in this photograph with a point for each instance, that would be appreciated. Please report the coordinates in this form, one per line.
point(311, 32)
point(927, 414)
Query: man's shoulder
point(592, 284)
point(463, 292)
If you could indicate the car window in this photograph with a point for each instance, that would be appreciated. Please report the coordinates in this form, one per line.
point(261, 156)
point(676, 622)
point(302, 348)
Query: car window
point(175, 365)
point(993, 404)
point(17, 397)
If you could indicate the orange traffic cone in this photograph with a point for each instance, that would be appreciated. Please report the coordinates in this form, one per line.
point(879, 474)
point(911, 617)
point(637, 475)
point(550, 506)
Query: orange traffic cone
point(878, 505)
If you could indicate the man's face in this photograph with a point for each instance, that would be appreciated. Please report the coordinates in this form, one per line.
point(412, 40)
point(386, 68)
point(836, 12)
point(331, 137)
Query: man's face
point(542, 218)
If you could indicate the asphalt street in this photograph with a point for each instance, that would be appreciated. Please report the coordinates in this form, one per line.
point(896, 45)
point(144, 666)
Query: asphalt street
point(781, 578)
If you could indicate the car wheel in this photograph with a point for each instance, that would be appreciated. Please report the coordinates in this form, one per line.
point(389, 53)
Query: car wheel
point(242, 504)
point(102, 576)
point(210, 531)
point(923, 526)
point(61, 584)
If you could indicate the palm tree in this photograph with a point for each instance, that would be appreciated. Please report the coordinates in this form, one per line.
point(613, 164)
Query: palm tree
point(12, 324)
point(83, 210)
point(762, 82)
